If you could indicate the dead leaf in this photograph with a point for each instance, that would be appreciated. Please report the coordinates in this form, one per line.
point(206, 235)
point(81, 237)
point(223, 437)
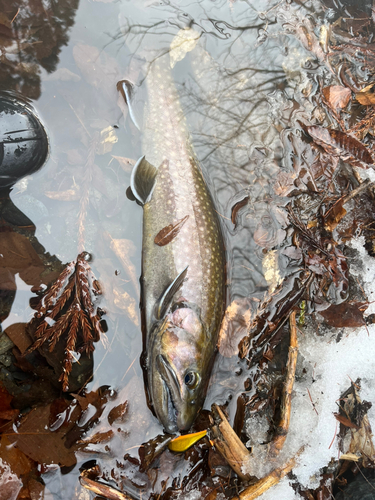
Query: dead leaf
point(345, 421)
point(168, 233)
point(124, 249)
point(346, 314)
point(97, 438)
point(237, 207)
point(17, 334)
point(367, 95)
point(125, 302)
point(341, 144)
point(334, 215)
point(337, 96)
point(35, 439)
point(118, 413)
point(270, 265)
point(234, 327)
point(108, 138)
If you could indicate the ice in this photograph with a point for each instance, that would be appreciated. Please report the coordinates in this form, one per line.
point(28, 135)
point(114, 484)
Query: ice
point(325, 369)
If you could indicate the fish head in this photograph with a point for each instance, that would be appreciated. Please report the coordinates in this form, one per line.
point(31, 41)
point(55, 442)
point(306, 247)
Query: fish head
point(178, 371)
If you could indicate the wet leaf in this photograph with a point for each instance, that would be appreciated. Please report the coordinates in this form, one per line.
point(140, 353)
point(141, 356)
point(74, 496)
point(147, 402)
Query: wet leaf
point(341, 144)
point(367, 95)
point(169, 233)
point(235, 324)
point(35, 439)
point(237, 207)
point(270, 264)
point(183, 443)
point(118, 413)
point(346, 314)
point(337, 96)
point(17, 334)
point(182, 43)
point(334, 215)
point(124, 249)
point(152, 449)
point(108, 139)
point(98, 437)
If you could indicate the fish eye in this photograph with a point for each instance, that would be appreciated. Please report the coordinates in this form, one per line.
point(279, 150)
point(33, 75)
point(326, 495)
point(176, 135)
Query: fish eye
point(192, 380)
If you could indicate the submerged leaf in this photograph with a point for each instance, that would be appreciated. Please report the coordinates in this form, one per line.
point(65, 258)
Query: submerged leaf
point(237, 207)
point(341, 144)
point(337, 96)
point(169, 233)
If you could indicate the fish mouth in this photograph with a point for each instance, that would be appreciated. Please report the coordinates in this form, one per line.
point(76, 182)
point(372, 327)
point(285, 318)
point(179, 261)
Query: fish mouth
point(171, 399)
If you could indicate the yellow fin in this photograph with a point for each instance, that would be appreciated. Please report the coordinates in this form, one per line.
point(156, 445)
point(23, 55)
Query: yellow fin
point(183, 443)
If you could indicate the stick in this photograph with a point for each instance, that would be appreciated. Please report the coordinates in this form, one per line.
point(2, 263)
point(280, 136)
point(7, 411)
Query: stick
point(229, 445)
point(103, 489)
point(286, 398)
point(257, 489)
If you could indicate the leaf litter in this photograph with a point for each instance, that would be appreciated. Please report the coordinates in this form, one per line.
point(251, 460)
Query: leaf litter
point(304, 246)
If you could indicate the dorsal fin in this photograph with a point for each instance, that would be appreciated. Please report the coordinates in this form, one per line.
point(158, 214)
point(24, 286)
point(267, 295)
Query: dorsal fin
point(142, 180)
point(167, 297)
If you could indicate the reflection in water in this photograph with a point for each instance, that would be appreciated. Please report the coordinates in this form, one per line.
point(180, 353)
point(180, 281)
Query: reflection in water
point(32, 33)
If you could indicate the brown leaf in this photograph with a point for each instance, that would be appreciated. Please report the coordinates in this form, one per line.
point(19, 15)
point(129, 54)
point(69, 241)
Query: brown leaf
point(334, 215)
point(341, 144)
point(169, 233)
point(118, 413)
point(237, 207)
point(35, 439)
point(337, 96)
point(17, 334)
point(125, 302)
point(346, 314)
point(98, 437)
point(124, 249)
point(366, 96)
point(345, 421)
point(234, 327)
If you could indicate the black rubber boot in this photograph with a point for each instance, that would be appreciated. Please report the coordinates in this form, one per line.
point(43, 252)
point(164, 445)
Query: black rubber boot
point(23, 140)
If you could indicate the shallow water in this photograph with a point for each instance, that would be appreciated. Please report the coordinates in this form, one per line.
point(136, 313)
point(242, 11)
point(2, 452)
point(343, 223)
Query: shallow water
point(243, 89)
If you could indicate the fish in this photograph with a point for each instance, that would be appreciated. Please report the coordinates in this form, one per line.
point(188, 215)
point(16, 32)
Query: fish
point(183, 258)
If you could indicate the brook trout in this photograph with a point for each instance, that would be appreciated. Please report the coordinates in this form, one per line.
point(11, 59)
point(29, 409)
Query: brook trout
point(183, 259)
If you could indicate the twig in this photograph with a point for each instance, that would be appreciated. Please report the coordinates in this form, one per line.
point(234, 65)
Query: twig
point(103, 489)
point(229, 445)
point(257, 489)
point(364, 185)
point(286, 398)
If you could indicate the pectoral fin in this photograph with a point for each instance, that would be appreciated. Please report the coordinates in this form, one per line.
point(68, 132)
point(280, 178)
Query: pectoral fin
point(142, 180)
point(167, 297)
